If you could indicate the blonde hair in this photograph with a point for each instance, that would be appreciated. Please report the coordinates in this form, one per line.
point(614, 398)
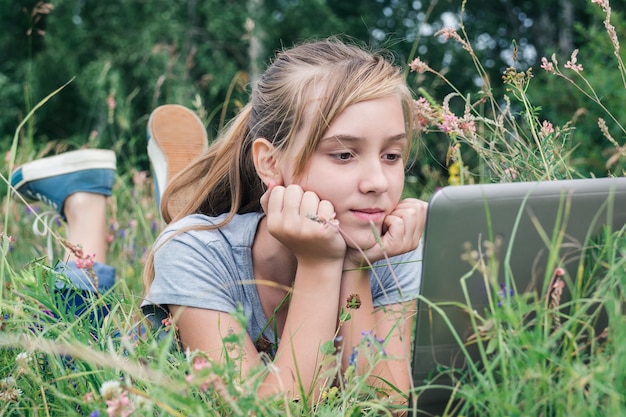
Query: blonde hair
point(224, 179)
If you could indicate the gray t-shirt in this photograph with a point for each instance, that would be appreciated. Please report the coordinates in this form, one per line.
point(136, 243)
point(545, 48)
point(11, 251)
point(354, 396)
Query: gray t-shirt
point(212, 269)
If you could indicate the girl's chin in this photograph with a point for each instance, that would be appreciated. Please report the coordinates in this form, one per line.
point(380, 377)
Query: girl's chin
point(362, 241)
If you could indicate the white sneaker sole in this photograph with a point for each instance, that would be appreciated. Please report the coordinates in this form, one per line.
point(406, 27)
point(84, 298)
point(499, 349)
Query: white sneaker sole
point(176, 137)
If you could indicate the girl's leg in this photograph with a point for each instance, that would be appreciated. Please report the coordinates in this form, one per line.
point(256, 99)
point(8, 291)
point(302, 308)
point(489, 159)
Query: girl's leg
point(86, 217)
point(76, 184)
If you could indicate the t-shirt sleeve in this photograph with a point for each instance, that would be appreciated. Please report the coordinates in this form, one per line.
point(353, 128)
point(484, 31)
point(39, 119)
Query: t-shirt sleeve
point(194, 273)
point(398, 283)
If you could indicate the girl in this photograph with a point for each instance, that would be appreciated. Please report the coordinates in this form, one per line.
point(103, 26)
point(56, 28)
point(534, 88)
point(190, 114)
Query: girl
point(283, 214)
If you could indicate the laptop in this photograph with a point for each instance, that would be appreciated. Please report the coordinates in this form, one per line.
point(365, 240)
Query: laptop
point(478, 231)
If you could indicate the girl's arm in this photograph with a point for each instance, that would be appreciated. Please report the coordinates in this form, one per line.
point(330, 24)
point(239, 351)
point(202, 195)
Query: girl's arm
point(388, 328)
point(312, 315)
point(311, 321)
point(385, 334)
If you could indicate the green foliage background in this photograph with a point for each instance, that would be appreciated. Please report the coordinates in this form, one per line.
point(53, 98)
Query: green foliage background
point(205, 54)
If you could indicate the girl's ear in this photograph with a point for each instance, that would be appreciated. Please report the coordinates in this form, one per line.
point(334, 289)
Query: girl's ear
point(264, 155)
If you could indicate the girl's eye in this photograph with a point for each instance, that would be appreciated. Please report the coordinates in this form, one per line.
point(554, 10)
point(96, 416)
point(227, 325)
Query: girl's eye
point(342, 156)
point(392, 157)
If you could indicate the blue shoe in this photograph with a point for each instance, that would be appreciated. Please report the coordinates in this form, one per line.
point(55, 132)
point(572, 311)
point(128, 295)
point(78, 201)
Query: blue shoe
point(51, 180)
point(176, 136)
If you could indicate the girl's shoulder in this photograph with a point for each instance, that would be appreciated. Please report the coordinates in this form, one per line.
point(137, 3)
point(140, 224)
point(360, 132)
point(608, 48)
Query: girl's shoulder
point(239, 231)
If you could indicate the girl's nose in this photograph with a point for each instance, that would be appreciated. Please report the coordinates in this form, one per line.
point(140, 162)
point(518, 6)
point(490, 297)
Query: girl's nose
point(373, 178)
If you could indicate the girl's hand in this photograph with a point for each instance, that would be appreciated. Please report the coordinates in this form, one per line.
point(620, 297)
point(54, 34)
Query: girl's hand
point(300, 221)
point(402, 230)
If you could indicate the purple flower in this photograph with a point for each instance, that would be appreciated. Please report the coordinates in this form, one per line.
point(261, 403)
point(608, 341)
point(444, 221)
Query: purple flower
point(353, 357)
point(504, 293)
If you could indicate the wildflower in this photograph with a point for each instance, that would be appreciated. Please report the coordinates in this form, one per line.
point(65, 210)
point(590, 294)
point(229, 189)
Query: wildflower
point(447, 33)
point(95, 413)
point(110, 390)
point(467, 126)
point(167, 323)
point(353, 357)
point(111, 103)
point(454, 173)
point(86, 261)
point(510, 173)
point(504, 292)
point(9, 390)
point(371, 341)
point(140, 178)
point(23, 360)
point(449, 123)
point(419, 66)
point(602, 3)
point(571, 64)
point(353, 302)
point(423, 114)
point(546, 129)
point(330, 394)
point(9, 239)
point(200, 363)
point(547, 65)
point(120, 406)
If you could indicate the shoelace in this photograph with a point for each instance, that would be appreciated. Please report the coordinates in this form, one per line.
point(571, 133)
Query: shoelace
point(42, 226)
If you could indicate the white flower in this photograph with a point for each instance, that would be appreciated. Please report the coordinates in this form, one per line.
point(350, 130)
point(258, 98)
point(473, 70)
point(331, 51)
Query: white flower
point(110, 390)
point(23, 359)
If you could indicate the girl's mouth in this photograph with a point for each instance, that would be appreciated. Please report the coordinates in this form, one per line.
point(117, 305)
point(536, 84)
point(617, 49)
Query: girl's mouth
point(369, 215)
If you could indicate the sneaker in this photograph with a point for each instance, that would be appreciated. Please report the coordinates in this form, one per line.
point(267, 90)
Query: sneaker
point(176, 136)
point(51, 180)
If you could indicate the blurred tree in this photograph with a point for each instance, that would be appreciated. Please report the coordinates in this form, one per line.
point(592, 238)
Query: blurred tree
point(128, 56)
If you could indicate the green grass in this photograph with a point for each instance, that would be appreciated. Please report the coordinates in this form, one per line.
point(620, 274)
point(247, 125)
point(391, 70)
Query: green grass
point(539, 356)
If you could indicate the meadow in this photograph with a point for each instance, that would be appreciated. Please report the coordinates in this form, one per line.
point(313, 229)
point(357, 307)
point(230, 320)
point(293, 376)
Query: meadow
point(539, 359)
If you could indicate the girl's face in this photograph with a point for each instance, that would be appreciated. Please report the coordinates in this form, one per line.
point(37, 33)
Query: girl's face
point(357, 166)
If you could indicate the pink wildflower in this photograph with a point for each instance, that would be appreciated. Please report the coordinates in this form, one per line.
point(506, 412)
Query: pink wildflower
point(447, 33)
point(419, 66)
point(571, 64)
point(86, 261)
point(510, 173)
point(120, 406)
point(602, 3)
point(546, 129)
point(167, 323)
point(111, 103)
point(200, 363)
point(467, 126)
point(140, 178)
point(450, 122)
point(547, 65)
point(423, 114)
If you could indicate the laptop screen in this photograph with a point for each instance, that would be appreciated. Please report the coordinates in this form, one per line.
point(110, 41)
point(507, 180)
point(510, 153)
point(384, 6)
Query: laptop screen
point(484, 242)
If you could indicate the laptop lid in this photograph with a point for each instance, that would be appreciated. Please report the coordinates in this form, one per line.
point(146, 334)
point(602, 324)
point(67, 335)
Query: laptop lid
point(493, 223)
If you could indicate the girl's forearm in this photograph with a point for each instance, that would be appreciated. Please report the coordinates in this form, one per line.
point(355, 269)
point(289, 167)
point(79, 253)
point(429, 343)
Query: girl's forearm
point(311, 321)
point(385, 333)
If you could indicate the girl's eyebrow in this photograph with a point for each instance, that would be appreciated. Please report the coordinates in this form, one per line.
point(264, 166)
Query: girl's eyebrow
point(350, 138)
